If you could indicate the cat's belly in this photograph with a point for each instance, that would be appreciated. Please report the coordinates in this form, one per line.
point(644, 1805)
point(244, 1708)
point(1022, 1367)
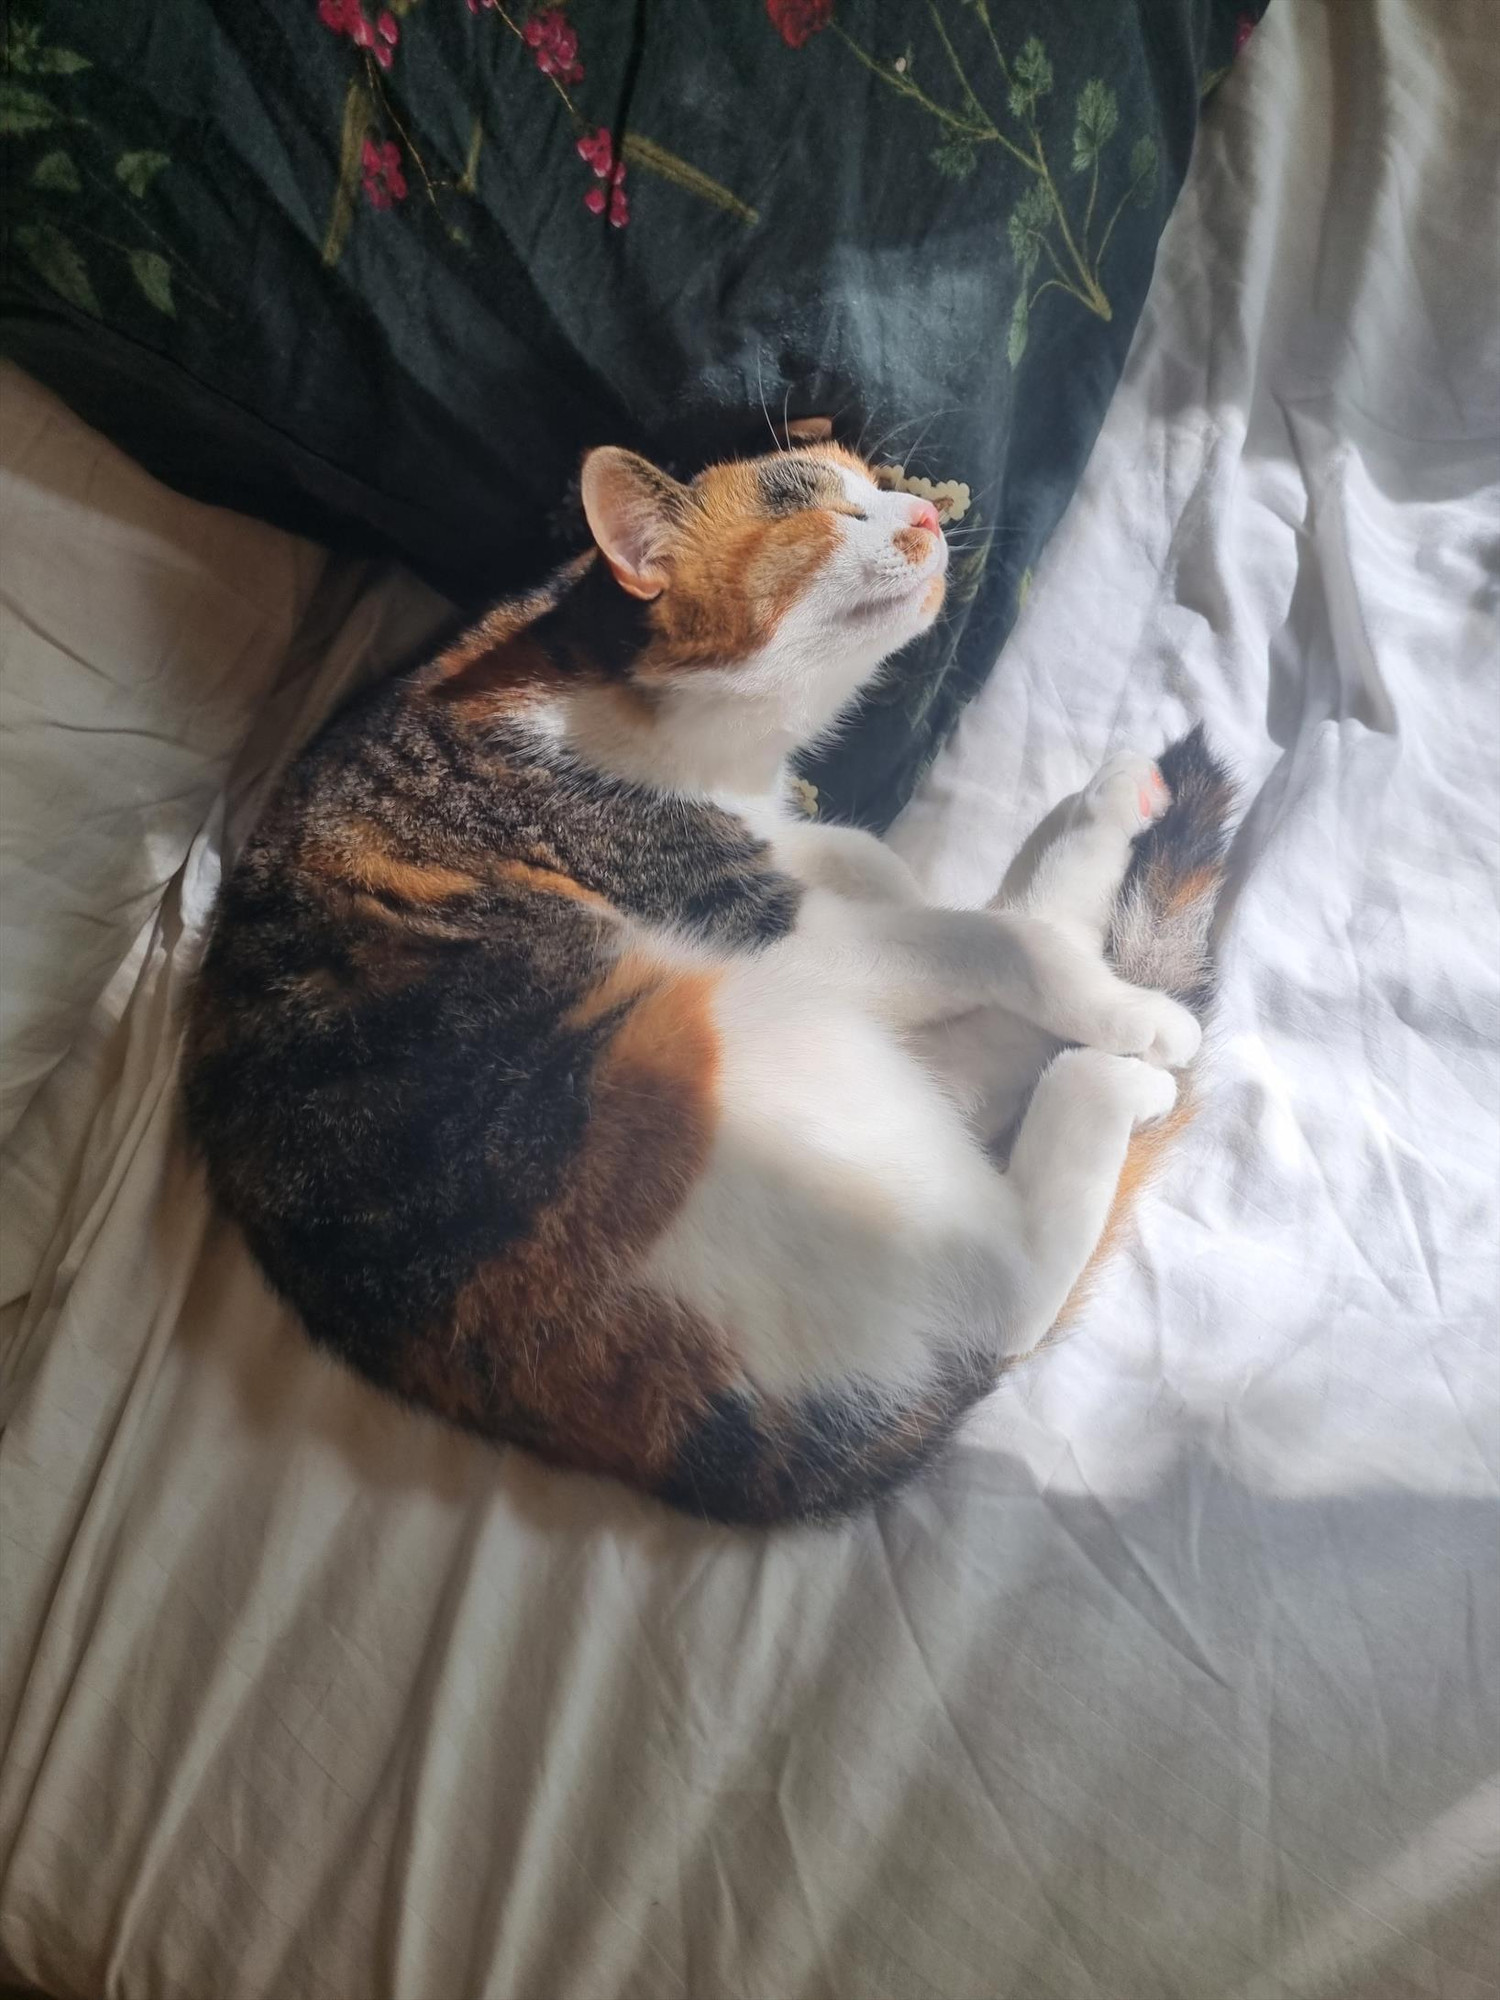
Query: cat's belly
point(838, 1161)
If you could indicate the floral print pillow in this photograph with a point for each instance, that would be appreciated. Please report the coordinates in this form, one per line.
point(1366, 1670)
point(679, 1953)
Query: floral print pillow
point(380, 273)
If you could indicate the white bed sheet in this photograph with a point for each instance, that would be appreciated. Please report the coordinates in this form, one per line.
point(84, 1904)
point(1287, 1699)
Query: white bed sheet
point(1178, 1681)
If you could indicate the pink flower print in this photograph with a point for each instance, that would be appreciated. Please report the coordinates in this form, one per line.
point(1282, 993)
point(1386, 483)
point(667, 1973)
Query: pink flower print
point(1244, 28)
point(383, 178)
point(346, 17)
point(598, 149)
point(797, 21)
point(554, 45)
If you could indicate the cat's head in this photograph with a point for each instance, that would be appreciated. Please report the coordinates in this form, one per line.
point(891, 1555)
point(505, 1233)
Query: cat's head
point(788, 578)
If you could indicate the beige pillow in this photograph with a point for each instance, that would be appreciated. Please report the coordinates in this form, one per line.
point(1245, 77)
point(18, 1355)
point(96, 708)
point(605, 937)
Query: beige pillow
point(139, 631)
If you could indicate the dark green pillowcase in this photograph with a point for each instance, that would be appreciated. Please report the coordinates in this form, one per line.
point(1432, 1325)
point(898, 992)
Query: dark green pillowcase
point(381, 274)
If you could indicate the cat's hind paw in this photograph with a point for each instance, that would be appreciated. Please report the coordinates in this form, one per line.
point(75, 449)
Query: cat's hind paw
point(1128, 791)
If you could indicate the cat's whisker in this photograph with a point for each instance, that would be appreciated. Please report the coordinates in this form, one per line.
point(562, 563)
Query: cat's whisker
point(927, 421)
point(871, 453)
point(760, 390)
point(914, 450)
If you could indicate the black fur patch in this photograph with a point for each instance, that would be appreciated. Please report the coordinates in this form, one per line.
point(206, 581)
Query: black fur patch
point(789, 485)
point(751, 1461)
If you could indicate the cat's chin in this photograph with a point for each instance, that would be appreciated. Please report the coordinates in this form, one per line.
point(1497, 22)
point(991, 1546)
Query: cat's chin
point(912, 612)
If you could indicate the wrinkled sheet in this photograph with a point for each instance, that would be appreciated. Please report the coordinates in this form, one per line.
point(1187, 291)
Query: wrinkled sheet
point(139, 633)
point(1178, 1679)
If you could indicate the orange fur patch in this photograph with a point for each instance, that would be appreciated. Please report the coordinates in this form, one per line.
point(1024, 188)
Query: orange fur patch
point(362, 860)
point(362, 863)
point(735, 572)
point(610, 1375)
point(1174, 897)
point(548, 882)
point(384, 874)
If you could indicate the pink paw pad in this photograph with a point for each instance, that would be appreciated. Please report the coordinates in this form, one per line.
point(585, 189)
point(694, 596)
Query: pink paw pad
point(1152, 797)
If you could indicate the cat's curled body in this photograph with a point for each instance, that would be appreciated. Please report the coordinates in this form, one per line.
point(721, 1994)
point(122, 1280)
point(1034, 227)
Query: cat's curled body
point(571, 1087)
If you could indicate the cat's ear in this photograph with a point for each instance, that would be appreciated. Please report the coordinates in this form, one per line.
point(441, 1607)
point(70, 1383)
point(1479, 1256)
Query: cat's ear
point(632, 509)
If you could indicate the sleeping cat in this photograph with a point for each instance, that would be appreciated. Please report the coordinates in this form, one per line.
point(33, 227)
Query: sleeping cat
point(574, 1089)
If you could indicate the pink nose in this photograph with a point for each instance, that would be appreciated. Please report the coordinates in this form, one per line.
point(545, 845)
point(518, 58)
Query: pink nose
point(925, 515)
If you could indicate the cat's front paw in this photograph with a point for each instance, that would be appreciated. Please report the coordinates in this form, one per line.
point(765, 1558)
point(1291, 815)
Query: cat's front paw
point(1152, 1092)
point(1128, 791)
point(1144, 1092)
point(1149, 1025)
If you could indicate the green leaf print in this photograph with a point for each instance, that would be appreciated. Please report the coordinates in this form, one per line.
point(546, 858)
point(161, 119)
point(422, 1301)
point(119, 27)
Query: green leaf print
point(59, 62)
point(53, 258)
point(1058, 241)
point(1143, 169)
point(1095, 119)
point(1031, 79)
point(24, 110)
point(153, 274)
point(1028, 220)
point(56, 172)
point(359, 114)
point(136, 171)
point(956, 158)
point(21, 40)
point(638, 151)
point(25, 55)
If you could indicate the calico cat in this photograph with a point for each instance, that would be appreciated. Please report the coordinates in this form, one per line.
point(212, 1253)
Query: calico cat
point(571, 1087)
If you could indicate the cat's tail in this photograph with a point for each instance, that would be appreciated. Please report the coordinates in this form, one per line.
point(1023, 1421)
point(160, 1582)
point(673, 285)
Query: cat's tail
point(1161, 936)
